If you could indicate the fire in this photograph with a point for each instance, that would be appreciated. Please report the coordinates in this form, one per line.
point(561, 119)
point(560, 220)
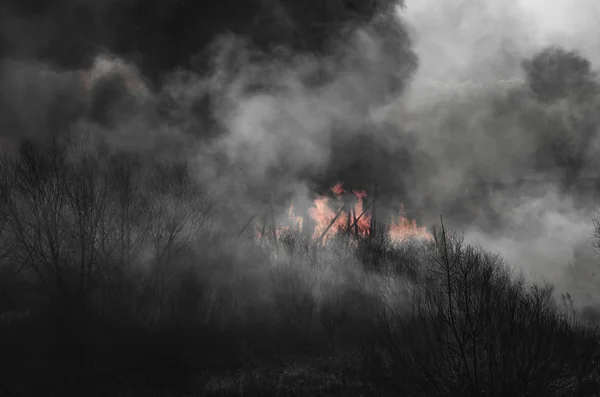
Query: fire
point(328, 221)
point(322, 216)
point(347, 214)
point(360, 218)
point(338, 190)
point(403, 228)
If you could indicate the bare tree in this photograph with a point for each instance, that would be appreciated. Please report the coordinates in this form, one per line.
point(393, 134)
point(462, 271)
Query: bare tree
point(478, 331)
point(36, 211)
point(88, 198)
point(179, 213)
point(130, 209)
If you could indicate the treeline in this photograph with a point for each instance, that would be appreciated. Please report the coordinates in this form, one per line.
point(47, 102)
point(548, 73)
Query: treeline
point(94, 235)
point(115, 280)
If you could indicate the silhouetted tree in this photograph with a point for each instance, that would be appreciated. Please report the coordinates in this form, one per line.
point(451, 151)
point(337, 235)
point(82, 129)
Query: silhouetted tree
point(36, 207)
point(179, 214)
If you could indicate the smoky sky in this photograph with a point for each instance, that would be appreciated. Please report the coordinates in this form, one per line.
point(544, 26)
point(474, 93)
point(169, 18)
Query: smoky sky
point(120, 48)
point(163, 35)
point(273, 85)
point(478, 110)
point(503, 102)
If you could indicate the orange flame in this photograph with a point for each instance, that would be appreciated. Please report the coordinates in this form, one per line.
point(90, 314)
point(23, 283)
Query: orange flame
point(362, 225)
point(322, 216)
point(331, 220)
point(402, 229)
point(338, 190)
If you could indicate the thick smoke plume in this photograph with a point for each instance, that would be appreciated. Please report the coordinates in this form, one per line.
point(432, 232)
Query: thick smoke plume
point(481, 111)
point(254, 117)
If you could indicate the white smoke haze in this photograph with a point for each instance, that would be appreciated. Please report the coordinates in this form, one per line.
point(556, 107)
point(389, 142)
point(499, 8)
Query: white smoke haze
point(468, 40)
point(541, 235)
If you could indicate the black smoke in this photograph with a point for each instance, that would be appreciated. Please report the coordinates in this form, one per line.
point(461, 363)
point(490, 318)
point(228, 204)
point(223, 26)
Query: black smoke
point(186, 55)
point(160, 36)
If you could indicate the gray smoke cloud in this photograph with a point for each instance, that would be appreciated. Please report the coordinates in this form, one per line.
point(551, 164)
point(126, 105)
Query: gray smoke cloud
point(254, 125)
point(461, 135)
point(471, 108)
point(464, 40)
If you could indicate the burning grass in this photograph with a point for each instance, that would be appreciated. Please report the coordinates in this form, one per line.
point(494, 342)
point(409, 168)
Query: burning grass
point(344, 214)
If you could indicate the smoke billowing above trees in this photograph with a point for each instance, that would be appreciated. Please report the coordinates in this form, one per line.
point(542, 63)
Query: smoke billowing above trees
point(151, 150)
point(271, 96)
